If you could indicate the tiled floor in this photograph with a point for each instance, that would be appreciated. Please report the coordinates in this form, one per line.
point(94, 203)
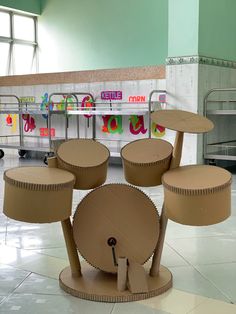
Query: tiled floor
point(202, 260)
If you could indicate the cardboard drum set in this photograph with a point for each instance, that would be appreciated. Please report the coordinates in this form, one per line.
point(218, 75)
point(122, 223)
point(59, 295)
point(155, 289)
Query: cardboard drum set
point(116, 227)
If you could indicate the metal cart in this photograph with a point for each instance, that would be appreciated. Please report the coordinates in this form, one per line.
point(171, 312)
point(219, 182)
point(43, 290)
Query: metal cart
point(20, 140)
point(220, 107)
point(99, 108)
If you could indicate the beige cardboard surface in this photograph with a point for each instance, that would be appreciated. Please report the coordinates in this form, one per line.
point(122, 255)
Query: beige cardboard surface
point(145, 161)
point(38, 194)
point(197, 195)
point(183, 121)
point(137, 278)
point(86, 159)
point(120, 211)
point(99, 286)
point(122, 273)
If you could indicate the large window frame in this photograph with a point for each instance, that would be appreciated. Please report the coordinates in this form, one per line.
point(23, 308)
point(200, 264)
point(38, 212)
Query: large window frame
point(11, 40)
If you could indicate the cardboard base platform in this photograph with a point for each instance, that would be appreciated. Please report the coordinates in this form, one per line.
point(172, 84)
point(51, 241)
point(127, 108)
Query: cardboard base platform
point(95, 285)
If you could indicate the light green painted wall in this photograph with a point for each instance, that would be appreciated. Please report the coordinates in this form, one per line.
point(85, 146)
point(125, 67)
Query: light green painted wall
point(183, 17)
point(95, 34)
point(31, 6)
point(217, 29)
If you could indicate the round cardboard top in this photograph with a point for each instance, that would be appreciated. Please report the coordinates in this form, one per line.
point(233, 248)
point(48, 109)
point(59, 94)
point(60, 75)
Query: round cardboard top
point(196, 179)
point(116, 211)
point(146, 151)
point(39, 178)
point(83, 153)
point(182, 121)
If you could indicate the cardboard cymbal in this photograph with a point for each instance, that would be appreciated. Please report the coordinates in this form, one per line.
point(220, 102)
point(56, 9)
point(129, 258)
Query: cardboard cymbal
point(182, 121)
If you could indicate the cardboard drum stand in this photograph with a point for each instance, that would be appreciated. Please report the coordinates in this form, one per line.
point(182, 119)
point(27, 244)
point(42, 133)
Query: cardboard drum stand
point(116, 227)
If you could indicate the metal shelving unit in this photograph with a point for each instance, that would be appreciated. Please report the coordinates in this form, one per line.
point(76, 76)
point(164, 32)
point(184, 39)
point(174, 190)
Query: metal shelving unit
point(24, 142)
point(220, 107)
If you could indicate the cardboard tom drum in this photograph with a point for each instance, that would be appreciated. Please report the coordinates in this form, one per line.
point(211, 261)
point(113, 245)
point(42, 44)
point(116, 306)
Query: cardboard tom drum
point(197, 195)
point(145, 161)
point(86, 159)
point(38, 194)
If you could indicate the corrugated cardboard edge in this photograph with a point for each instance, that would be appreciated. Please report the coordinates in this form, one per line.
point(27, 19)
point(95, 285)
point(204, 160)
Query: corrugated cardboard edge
point(66, 164)
point(142, 164)
point(38, 187)
point(203, 191)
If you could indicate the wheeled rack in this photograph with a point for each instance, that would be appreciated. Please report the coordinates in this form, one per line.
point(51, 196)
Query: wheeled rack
point(220, 107)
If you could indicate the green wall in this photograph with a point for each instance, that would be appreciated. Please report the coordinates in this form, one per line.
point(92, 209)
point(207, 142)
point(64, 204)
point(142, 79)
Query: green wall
point(31, 6)
point(217, 27)
point(183, 17)
point(95, 34)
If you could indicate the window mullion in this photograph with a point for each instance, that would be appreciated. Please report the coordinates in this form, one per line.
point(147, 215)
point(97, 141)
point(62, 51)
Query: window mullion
point(10, 59)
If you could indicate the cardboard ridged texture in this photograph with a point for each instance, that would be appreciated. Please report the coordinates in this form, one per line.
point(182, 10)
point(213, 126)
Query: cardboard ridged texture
point(86, 159)
point(38, 194)
point(182, 121)
point(99, 286)
point(197, 195)
point(145, 161)
point(116, 211)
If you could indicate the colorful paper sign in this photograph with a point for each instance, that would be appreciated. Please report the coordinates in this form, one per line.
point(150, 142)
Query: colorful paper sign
point(137, 99)
point(158, 130)
point(87, 104)
point(27, 99)
point(136, 125)
point(9, 120)
point(44, 105)
point(111, 95)
point(29, 123)
point(44, 132)
point(162, 98)
point(112, 124)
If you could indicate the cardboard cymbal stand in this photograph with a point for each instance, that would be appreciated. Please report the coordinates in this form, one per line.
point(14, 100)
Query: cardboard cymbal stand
point(181, 122)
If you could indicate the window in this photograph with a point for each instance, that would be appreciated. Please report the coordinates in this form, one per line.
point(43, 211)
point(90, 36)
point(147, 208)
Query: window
point(18, 43)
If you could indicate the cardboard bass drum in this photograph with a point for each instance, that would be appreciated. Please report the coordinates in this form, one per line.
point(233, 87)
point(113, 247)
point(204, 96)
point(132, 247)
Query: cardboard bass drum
point(119, 213)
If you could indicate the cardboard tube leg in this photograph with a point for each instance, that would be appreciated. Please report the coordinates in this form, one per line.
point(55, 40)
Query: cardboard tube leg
point(175, 162)
point(122, 274)
point(156, 260)
point(177, 150)
point(52, 162)
point(71, 248)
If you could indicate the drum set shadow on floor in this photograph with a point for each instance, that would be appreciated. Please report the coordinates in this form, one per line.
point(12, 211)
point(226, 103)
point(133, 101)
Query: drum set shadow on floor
point(116, 227)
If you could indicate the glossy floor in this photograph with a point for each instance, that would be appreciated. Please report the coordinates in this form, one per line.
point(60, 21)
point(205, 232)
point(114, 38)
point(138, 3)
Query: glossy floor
point(202, 260)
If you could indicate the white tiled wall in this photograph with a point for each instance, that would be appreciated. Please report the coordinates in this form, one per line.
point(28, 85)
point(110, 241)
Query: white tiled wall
point(182, 93)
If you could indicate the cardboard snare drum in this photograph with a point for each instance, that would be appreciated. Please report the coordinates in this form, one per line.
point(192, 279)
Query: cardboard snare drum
point(86, 159)
point(197, 195)
point(145, 161)
point(38, 194)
